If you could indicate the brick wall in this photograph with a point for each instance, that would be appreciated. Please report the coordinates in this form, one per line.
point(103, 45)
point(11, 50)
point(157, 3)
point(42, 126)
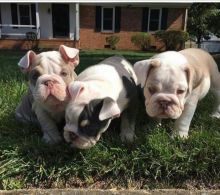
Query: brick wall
point(131, 21)
point(176, 19)
point(91, 39)
point(42, 43)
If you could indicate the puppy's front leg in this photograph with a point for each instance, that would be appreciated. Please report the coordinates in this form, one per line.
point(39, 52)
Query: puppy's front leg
point(50, 131)
point(182, 124)
point(128, 119)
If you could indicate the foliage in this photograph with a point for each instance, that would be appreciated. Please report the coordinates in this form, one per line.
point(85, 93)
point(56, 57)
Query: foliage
point(173, 39)
point(203, 19)
point(155, 160)
point(112, 41)
point(141, 40)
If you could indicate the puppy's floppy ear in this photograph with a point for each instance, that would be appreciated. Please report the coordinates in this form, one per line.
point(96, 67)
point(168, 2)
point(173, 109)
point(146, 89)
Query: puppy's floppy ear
point(70, 55)
point(75, 88)
point(194, 77)
point(142, 69)
point(109, 109)
point(189, 75)
point(26, 61)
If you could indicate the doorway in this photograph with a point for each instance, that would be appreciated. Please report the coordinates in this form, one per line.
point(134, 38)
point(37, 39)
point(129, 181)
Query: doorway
point(60, 19)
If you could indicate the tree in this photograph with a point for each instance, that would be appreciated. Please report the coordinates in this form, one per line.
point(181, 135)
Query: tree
point(201, 20)
point(214, 24)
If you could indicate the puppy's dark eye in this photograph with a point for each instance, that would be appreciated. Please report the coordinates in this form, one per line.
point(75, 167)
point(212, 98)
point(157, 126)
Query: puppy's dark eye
point(34, 75)
point(152, 90)
point(180, 91)
point(63, 74)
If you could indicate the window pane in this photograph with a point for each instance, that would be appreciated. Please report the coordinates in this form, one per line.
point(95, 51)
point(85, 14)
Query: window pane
point(154, 19)
point(107, 25)
point(153, 25)
point(154, 14)
point(108, 19)
point(108, 13)
point(24, 20)
point(24, 14)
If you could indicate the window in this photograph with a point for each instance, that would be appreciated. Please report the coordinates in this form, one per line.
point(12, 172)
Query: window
point(108, 19)
point(154, 19)
point(24, 16)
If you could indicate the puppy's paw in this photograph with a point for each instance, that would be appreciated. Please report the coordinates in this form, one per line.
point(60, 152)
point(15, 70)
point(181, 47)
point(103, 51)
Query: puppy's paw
point(127, 137)
point(51, 139)
point(180, 134)
point(215, 115)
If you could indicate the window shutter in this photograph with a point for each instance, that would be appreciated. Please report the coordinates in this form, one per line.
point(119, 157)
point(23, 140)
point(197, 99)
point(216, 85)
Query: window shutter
point(145, 19)
point(117, 19)
point(33, 15)
point(164, 18)
point(98, 18)
point(14, 14)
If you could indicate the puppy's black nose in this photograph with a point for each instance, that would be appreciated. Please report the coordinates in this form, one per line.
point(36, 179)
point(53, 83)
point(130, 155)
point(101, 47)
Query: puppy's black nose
point(164, 103)
point(73, 136)
point(49, 83)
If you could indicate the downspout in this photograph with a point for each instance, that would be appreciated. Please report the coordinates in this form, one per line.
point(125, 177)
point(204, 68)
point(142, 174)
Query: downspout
point(77, 36)
point(37, 21)
point(186, 18)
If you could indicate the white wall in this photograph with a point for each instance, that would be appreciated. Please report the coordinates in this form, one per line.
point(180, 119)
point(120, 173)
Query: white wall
point(46, 28)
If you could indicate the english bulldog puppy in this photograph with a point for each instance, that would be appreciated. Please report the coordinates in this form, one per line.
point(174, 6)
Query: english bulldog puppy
point(101, 93)
point(49, 74)
point(173, 83)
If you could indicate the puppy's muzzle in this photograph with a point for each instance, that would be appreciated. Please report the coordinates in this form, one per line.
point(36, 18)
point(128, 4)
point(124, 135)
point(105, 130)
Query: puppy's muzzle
point(72, 136)
point(164, 104)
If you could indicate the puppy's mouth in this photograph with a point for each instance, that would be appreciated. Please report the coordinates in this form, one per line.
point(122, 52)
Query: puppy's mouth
point(73, 137)
point(51, 96)
point(77, 141)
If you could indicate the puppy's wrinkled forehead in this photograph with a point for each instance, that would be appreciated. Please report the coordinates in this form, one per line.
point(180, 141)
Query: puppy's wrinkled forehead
point(49, 62)
point(171, 58)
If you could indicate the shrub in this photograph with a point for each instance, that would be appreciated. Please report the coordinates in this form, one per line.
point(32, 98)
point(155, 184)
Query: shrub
point(141, 40)
point(112, 41)
point(173, 39)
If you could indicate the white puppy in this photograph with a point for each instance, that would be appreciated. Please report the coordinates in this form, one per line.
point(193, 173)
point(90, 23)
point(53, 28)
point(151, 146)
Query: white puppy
point(49, 74)
point(101, 93)
point(174, 82)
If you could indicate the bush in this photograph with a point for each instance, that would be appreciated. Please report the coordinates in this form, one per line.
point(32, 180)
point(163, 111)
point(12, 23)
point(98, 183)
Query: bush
point(141, 40)
point(173, 39)
point(112, 41)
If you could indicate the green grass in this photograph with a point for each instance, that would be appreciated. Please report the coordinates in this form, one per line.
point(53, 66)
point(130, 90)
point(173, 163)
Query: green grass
point(155, 160)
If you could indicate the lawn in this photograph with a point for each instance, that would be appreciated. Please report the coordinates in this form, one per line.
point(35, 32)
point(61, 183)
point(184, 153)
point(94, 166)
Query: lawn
point(155, 160)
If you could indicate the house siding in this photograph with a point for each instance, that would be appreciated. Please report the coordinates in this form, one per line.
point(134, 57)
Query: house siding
point(131, 22)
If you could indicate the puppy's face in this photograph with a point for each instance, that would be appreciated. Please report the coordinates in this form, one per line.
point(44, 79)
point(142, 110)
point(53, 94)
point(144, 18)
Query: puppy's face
point(83, 126)
point(166, 87)
point(49, 74)
point(87, 118)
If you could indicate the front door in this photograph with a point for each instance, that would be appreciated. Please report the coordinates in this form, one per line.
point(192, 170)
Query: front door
point(60, 18)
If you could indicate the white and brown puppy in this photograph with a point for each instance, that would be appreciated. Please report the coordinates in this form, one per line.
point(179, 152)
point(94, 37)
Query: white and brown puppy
point(101, 93)
point(174, 82)
point(49, 74)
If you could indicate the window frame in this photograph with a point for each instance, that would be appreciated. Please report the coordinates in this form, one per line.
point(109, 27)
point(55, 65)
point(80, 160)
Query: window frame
point(113, 20)
point(18, 13)
point(149, 19)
